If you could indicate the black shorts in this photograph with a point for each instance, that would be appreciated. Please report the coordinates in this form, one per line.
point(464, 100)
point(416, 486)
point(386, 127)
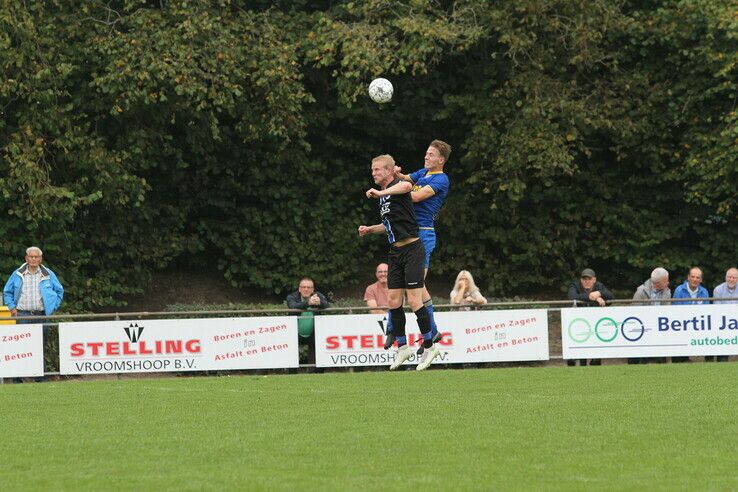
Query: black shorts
point(406, 266)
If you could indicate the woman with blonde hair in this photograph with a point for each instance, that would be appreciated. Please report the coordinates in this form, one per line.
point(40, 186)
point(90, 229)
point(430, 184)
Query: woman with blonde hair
point(466, 291)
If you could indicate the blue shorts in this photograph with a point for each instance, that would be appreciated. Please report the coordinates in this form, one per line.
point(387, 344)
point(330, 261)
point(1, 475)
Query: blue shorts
point(428, 237)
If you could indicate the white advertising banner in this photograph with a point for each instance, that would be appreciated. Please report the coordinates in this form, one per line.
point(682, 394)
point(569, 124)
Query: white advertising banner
point(178, 345)
point(649, 331)
point(21, 351)
point(469, 336)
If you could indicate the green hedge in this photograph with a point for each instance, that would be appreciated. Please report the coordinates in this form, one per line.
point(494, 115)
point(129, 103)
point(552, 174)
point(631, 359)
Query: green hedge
point(139, 135)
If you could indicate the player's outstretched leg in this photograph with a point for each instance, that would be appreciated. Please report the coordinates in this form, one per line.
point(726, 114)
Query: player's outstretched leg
point(390, 333)
point(428, 356)
point(430, 350)
point(435, 334)
point(404, 352)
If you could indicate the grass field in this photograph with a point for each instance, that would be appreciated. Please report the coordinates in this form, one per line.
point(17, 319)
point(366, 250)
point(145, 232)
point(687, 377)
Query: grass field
point(612, 427)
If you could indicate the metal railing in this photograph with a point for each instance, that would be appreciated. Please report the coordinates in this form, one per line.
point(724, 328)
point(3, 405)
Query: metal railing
point(551, 306)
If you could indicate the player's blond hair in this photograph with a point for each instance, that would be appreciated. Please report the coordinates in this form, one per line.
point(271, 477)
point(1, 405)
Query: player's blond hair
point(385, 159)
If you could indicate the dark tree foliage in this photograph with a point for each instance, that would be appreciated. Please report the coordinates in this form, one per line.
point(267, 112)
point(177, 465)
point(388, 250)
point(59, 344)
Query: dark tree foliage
point(139, 134)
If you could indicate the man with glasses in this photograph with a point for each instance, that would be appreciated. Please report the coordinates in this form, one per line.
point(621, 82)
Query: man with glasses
point(307, 299)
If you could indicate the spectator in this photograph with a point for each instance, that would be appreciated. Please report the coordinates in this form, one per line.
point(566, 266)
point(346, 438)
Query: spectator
point(376, 294)
point(466, 291)
point(692, 288)
point(726, 290)
point(33, 289)
point(655, 289)
point(588, 292)
point(307, 299)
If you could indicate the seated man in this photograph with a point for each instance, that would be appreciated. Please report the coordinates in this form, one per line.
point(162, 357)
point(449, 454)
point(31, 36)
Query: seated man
point(307, 299)
point(692, 288)
point(726, 290)
point(588, 292)
point(655, 289)
point(376, 294)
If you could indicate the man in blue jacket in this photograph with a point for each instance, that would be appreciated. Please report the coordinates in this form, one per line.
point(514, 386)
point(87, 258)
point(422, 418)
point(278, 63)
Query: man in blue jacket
point(32, 289)
point(692, 288)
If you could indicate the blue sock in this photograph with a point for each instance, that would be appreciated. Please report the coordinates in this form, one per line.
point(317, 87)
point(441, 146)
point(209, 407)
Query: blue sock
point(401, 341)
point(429, 306)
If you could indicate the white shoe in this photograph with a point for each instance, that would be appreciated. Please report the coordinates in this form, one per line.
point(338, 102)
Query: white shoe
point(403, 353)
point(427, 357)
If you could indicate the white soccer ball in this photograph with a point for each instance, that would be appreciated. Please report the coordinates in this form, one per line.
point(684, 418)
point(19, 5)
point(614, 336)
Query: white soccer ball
point(380, 90)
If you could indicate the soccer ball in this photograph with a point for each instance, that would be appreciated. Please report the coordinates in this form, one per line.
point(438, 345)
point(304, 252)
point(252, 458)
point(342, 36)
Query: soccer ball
point(380, 90)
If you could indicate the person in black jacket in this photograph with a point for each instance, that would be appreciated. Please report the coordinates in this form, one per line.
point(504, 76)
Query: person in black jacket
point(307, 299)
point(588, 292)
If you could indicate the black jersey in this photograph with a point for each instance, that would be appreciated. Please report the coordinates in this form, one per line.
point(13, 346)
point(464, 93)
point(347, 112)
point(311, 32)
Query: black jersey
point(398, 215)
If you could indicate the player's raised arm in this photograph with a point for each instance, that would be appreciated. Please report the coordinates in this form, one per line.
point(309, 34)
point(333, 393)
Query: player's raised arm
point(422, 194)
point(372, 229)
point(397, 189)
point(403, 177)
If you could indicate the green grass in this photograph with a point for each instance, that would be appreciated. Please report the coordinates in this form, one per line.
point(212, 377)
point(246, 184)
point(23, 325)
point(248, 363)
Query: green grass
point(612, 427)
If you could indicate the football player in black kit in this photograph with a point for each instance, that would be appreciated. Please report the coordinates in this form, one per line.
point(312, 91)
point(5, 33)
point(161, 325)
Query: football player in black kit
point(406, 256)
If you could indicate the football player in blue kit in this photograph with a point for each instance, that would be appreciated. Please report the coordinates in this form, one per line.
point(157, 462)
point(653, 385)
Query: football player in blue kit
point(430, 189)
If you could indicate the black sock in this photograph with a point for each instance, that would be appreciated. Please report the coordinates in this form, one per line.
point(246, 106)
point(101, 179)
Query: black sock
point(425, 326)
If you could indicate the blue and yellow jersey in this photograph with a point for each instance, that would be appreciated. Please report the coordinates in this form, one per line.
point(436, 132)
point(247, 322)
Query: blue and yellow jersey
point(427, 210)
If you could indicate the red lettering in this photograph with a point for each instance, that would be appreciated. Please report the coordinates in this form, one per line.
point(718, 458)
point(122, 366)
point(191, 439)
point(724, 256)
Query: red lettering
point(332, 343)
point(173, 346)
point(193, 346)
point(139, 348)
point(366, 341)
point(350, 339)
